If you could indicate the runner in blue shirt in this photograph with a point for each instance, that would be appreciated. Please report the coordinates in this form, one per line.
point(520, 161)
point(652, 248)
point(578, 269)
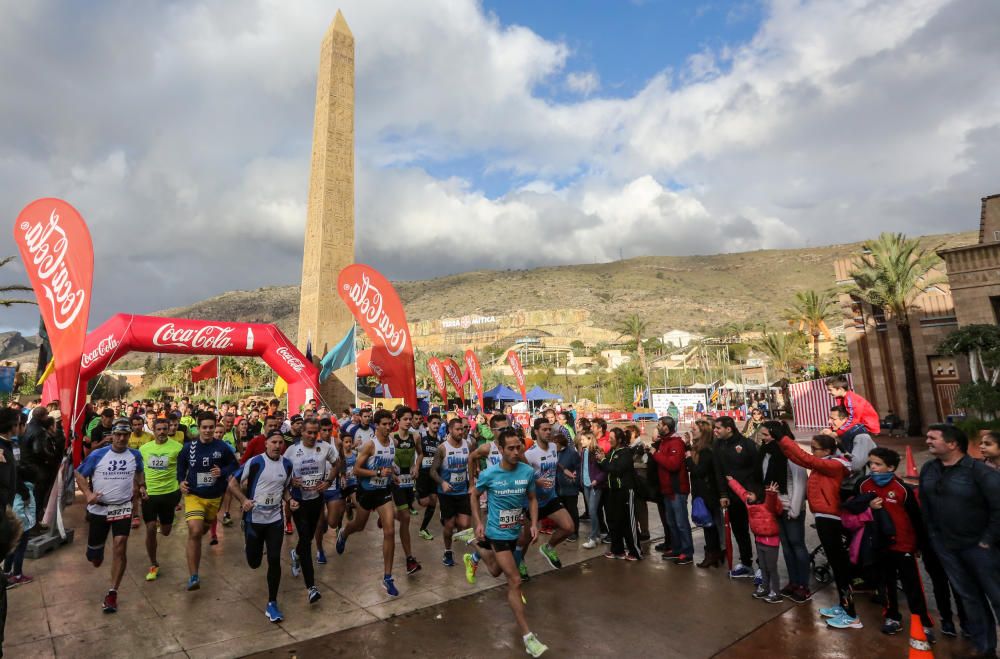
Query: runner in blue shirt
point(506, 484)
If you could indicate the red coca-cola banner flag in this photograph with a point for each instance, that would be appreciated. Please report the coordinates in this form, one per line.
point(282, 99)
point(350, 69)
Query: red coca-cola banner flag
point(437, 372)
point(58, 256)
point(207, 371)
point(515, 366)
point(378, 309)
point(454, 376)
point(472, 366)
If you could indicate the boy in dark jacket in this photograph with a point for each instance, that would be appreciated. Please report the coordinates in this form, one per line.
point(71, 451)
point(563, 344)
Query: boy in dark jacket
point(568, 481)
point(899, 558)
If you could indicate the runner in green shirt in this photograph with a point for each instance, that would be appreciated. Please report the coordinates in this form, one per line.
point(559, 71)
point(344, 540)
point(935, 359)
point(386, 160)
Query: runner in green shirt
point(408, 456)
point(163, 493)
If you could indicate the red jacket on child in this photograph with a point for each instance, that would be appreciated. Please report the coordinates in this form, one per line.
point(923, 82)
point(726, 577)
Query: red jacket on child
point(763, 515)
point(860, 411)
point(823, 486)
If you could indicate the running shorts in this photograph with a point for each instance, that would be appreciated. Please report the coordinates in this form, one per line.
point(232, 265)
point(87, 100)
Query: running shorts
point(452, 505)
point(425, 485)
point(553, 506)
point(204, 509)
point(403, 496)
point(498, 545)
point(161, 507)
point(372, 499)
point(97, 534)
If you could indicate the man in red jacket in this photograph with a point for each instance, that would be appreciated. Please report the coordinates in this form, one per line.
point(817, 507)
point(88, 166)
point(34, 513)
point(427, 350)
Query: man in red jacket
point(675, 487)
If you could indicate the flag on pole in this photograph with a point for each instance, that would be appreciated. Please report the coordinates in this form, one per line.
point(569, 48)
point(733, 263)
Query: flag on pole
point(280, 387)
point(47, 372)
point(339, 356)
point(206, 371)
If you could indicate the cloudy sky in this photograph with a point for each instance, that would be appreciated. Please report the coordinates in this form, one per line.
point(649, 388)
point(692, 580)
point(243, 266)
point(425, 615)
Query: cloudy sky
point(492, 134)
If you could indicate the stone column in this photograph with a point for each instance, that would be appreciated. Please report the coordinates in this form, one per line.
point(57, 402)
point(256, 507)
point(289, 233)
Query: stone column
point(329, 236)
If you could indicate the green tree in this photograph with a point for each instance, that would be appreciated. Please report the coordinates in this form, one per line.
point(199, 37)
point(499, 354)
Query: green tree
point(980, 396)
point(809, 311)
point(980, 343)
point(784, 350)
point(12, 288)
point(891, 273)
point(634, 328)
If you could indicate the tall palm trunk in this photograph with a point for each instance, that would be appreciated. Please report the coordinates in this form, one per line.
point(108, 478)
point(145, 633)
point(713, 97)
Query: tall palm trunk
point(914, 421)
point(815, 335)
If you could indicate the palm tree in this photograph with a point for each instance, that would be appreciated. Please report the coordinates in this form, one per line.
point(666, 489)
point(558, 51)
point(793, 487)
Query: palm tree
point(634, 327)
point(891, 273)
point(810, 311)
point(783, 350)
point(12, 288)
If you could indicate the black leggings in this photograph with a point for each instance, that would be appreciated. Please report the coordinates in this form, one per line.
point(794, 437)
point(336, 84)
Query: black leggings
point(572, 506)
point(621, 520)
point(306, 520)
point(892, 563)
point(271, 536)
point(830, 532)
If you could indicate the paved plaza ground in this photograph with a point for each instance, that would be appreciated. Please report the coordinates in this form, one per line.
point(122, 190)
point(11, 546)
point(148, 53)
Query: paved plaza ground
point(593, 607)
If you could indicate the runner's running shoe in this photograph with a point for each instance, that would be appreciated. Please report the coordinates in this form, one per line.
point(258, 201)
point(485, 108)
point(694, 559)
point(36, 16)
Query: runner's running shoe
point(448, 560)
point(390, 587)
point(833, 612)
point(412, 565)
point(845, 622)
point(110, 602)
point(465, 535)
point(154, 572)
point(551, 556)
point(194, 583)
point(314, 595)
point(227, 520)
point(426, 535)
point(470, 568)
point(533, 646)
point(273, 613)
point(341, 542)
point(320, 557)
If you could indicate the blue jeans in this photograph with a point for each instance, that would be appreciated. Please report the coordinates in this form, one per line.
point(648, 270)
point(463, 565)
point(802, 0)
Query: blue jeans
point(594, 504)
point(974, 573)
point(680, 524)
point(793, 545)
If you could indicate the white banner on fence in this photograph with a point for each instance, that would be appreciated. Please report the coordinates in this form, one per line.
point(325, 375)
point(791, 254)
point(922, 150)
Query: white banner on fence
point(681, 406)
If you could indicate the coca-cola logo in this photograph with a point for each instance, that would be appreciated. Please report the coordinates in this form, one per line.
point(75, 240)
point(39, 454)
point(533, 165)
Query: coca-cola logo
point(515, 366)
point(470, 361)
point(435, 369)
point(104, 348)
point(293, 362)
point(47, 247)
point(375, 369)
point(368, 300)
point(214, 337)
point(453, 375)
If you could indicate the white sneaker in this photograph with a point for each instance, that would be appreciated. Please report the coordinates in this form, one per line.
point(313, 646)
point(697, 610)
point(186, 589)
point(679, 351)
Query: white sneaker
point(590, 544)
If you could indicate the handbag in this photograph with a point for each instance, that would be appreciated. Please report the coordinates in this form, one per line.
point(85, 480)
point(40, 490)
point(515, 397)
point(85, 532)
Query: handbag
point(700, 513)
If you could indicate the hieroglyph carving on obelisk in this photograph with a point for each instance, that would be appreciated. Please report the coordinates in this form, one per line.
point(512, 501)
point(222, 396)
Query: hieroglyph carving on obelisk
point(329, 239)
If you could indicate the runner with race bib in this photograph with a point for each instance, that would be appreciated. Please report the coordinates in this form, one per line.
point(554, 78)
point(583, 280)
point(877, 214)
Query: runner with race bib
point(408, 457)
point(159, 459)
point(450, 471)
point(109, 478)
point(426, 487)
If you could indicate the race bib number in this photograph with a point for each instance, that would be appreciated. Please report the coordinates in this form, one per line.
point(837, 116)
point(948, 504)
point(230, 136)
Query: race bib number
point(311, 481)
point(158, 462)
point(267, 500)
point(204, 479)
point(510, 519)
point(119, 511)
point(427, 463)
point(457, 477)
point(405, 480)
point(379, 481)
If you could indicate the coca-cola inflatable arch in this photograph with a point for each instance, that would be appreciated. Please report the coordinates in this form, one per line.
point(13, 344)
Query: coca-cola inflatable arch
point(126, 333)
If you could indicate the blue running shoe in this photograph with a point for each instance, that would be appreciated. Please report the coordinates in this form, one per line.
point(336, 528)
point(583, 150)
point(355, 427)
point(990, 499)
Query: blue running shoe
point(740, 572)
point(194, 583)
point(273, 613)
point(314, 595)
point(341, 542)
point(321, 557)
point(845, 622)
point(833, 612)
point(448, 560)
point(390, 586)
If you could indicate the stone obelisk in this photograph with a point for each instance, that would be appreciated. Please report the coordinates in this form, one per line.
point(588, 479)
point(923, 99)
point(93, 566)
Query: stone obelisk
point(329, 239)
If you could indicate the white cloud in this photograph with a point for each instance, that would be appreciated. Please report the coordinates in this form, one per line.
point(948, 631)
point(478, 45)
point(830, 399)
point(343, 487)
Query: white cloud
point(182, 132)
point(584, 83)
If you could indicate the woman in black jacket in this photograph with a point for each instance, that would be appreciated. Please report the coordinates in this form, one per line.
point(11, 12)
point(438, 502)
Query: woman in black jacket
point(622, 500)
point(701, 465)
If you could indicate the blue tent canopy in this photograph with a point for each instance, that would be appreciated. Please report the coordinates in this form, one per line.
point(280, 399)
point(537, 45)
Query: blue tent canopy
point(502, 392)
point(537, 393)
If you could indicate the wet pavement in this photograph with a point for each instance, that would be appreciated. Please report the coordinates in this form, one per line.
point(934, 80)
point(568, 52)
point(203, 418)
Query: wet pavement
point(593, 607)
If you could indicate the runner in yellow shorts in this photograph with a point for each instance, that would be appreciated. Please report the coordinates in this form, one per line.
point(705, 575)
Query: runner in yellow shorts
point(203, 470)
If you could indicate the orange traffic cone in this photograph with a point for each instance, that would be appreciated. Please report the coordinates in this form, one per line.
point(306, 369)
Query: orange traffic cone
point(919, 647)
point(911, 465)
